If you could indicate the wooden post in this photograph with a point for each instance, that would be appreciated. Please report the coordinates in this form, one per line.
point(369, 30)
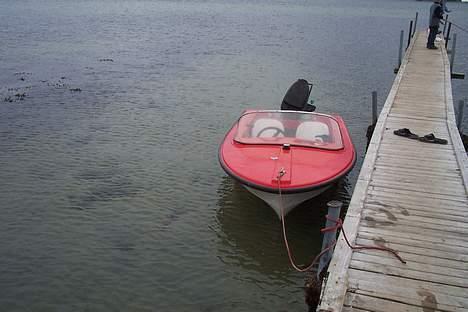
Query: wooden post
point(447, 37)
point(334, 209)
point(374, 107)
point(461, 108)
point(415, 23)
point(409, 33)
point(445, 24)
point(452, 55)
point(400, 52)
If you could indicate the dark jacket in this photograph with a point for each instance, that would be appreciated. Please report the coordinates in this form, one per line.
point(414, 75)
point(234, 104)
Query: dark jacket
point(436, 15)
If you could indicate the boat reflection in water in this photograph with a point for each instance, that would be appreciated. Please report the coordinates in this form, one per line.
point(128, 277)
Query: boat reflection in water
point(251, 237)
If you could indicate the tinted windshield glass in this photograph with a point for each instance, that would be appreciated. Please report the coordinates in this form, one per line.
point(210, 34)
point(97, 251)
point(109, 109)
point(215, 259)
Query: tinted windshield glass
point(287, 127)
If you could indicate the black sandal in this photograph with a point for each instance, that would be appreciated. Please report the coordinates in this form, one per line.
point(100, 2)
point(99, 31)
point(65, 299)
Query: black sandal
point(405, 132)
point(430, 138)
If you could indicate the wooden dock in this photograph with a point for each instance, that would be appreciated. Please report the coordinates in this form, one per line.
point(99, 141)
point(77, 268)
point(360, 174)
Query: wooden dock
point(411, 196)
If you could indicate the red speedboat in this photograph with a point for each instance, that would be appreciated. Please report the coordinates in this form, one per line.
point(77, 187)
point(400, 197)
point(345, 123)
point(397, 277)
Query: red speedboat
point(288, 156)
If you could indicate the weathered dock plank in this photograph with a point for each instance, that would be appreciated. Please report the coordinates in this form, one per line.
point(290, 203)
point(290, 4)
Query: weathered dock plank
point(410, 196)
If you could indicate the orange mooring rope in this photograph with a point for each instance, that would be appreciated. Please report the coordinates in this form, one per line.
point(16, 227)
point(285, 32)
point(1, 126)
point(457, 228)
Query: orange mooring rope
point(339, 225)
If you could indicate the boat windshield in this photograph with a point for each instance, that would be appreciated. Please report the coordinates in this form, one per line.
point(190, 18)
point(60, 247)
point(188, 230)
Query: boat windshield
point(289, 127)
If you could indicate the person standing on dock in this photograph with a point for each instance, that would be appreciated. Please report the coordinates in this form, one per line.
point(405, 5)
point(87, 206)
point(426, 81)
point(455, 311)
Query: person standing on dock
point(436, 14)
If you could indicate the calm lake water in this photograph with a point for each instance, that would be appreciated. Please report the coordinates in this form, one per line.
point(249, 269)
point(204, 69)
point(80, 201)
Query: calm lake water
point(111, 113)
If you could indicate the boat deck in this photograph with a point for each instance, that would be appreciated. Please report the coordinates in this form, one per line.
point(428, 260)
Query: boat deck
point(411, 196)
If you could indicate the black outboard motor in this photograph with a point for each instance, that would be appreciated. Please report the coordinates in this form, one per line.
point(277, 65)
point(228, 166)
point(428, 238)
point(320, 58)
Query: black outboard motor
point(297, 96)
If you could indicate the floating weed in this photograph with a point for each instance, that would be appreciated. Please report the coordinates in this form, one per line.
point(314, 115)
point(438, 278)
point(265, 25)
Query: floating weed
point(15, 98)
point(20, 96)
point(58, 85)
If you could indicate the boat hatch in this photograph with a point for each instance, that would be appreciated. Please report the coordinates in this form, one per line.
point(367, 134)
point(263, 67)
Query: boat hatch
point(289, 127)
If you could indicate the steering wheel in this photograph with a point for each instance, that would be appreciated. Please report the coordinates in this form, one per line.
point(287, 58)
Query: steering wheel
point(278, 131)
point(324, 137)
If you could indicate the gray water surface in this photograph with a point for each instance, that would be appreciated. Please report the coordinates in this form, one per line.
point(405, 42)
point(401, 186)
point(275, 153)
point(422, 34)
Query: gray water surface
point(111, 113)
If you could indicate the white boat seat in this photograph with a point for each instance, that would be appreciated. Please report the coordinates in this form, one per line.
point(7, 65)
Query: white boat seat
point(268, 128)
point(312, 131)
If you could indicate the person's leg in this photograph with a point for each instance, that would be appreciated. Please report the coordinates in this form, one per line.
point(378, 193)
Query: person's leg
point(436, 31)
point(430, 41)
point(431, 37)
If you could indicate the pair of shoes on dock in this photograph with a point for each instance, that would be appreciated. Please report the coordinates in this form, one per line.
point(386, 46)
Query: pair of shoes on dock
point(428, 138)
point(432, 47)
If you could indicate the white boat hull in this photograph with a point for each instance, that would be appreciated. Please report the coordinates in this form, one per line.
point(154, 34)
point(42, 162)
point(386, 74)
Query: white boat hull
point(287, 201)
